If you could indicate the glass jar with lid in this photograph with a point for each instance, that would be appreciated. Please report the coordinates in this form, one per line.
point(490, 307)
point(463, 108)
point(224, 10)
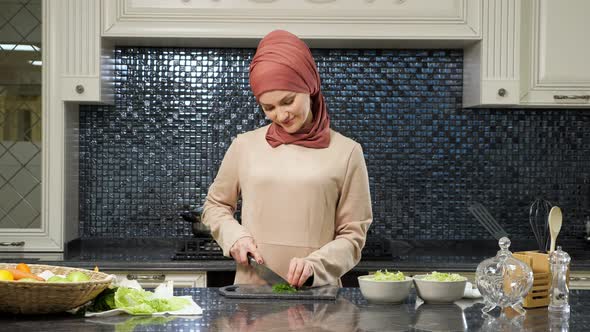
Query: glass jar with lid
point(503, 280)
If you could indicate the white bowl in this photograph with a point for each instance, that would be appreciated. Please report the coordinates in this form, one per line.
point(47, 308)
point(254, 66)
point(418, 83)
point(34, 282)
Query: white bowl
point(439, 291)
point(384, 291)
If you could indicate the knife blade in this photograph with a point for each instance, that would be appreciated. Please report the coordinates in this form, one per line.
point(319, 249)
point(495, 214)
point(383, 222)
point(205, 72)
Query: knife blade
point(265, 273)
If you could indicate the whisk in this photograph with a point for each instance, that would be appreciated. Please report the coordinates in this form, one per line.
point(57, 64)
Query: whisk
point(539, 220)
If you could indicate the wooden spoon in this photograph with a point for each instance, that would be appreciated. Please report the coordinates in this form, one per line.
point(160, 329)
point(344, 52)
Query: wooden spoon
point(555, 220)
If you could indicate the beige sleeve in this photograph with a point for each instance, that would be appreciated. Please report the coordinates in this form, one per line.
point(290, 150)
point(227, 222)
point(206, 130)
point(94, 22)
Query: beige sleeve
point(222, 198)
point(353, 217)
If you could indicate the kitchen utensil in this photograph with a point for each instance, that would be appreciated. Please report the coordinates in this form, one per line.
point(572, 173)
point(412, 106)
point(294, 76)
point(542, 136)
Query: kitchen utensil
point(555, 220)
point(503, 280)
point(538, 296)
point(539, 221)
point(194, 217)
point(486, 220)
point(265, 273)
point(328, 292)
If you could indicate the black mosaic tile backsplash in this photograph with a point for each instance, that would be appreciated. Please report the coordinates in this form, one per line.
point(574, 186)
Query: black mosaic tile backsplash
point(155, 152)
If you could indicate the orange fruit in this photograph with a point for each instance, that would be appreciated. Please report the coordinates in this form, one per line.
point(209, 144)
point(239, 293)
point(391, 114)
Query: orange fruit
point(6, 275)
point(23, 267)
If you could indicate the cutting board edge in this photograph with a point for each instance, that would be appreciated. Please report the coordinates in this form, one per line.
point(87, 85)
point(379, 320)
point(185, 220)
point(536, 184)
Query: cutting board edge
point(227, 291)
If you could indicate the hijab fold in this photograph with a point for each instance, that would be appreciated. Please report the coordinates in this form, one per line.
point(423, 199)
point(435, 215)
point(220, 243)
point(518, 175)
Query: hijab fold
point(284, 62)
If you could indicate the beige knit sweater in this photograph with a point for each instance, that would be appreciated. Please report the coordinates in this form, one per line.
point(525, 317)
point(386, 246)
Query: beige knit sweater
point(296, 202)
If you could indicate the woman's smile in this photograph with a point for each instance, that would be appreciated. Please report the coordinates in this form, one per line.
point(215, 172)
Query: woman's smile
point(287, 109)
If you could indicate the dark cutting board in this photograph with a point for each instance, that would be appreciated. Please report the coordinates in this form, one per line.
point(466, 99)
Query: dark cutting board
point(265, 292)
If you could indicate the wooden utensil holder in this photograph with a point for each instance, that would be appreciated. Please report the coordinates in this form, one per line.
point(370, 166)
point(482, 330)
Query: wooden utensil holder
point(538, 296)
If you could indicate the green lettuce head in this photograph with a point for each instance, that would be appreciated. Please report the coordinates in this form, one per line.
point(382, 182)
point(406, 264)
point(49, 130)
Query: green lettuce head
point(140, 302)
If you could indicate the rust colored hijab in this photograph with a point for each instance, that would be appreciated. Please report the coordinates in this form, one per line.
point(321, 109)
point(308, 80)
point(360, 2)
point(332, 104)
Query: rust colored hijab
point(284, 62)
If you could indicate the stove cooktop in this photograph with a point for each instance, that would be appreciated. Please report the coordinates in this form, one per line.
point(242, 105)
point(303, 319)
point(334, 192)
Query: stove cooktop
point(205, 248)
point(198, 249)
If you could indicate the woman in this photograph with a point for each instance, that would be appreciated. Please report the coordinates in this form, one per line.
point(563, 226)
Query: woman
point(306, 205)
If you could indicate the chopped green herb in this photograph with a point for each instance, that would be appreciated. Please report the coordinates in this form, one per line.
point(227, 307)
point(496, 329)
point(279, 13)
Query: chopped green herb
point(283, 288)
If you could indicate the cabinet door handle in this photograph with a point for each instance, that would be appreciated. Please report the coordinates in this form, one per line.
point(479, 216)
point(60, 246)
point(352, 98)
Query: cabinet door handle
point(579, 278)
point(562, 97)
point(12, 244)
point(146, 277)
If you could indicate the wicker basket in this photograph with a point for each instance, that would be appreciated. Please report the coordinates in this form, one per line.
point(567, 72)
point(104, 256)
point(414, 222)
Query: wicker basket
point(42, 298)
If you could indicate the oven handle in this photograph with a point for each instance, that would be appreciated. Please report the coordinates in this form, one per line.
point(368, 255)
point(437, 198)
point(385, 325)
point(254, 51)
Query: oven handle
point(146, 277)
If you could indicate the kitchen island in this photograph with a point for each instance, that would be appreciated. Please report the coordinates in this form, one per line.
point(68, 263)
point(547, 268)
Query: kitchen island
point(350, 312)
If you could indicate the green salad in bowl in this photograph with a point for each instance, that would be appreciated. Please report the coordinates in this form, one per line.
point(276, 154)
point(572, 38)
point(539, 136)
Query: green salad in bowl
point(381, 275)
point(443, 277)
point(385, 287)
point(439, 287)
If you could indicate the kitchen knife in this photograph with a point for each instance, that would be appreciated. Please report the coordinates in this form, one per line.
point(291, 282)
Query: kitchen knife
point(265, 273)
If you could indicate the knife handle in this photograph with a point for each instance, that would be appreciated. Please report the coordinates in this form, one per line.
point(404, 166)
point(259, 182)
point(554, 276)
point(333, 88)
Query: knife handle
point(251, 260)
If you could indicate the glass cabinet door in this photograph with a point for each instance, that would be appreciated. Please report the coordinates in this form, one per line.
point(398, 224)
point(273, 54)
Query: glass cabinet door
point(20, 116)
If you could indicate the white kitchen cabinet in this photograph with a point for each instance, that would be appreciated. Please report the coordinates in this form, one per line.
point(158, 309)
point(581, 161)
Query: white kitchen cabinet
point(26, 207)
point(83, 58)
point(517, 53)
point(76, 67)
point(532, 54)
point(491, 74)
point(555, 70)
point(321, 19)
point(152, 278)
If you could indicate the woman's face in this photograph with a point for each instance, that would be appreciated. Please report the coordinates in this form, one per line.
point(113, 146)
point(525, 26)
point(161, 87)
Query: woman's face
point(288, 109)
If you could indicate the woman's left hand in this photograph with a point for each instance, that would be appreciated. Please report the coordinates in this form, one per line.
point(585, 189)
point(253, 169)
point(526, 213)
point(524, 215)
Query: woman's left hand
point(299, 271)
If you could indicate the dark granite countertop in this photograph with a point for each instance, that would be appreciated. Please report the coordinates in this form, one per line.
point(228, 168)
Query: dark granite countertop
point(156, 254)
point(350, 312)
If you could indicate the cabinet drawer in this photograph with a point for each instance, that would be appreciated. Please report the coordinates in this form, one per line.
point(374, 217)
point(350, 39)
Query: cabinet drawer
point(580, 280)
point(151, 279)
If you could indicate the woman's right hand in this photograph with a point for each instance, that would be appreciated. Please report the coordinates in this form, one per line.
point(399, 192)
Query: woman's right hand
point(239, 251)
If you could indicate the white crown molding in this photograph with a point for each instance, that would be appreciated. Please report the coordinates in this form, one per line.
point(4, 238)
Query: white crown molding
point(346, 19)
